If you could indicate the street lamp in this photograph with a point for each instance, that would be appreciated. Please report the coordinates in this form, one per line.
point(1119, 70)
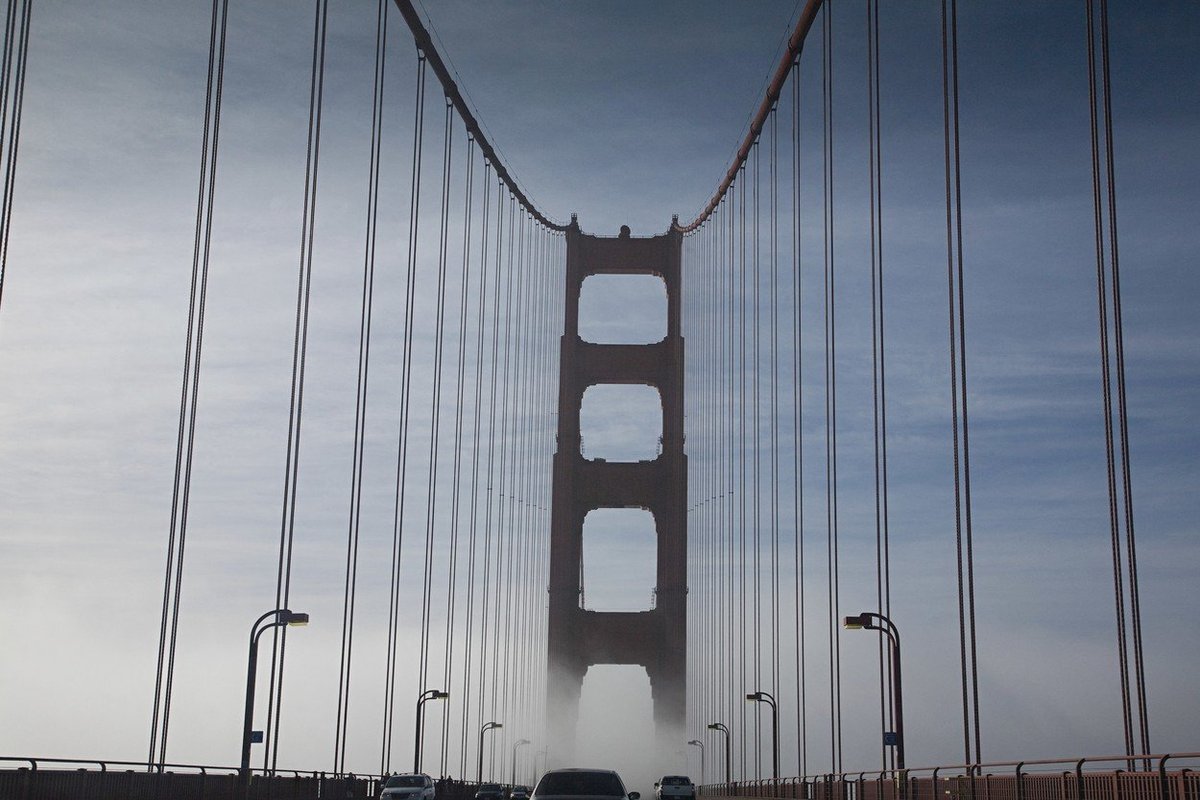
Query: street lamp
point(720, 726)
point(700, 744)
point(519, 743)
point(878, 622)
point(763, 697)
point(428, 694)
point(282, 616)
point(488, 726)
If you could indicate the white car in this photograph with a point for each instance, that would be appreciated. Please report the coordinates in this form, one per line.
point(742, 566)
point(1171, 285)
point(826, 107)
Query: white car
point(413, 786)
point(675, 787)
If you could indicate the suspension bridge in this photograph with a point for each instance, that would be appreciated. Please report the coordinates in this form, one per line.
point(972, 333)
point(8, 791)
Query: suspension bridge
point(397, 470)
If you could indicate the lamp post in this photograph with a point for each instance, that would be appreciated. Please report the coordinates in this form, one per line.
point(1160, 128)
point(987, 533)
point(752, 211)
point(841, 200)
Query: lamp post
point(428, 694)
point(700, 744)
point(489, 726)
point(763, 697)
point(282, 616)
point(519, 743)
point(720, 726)
point(878, 622)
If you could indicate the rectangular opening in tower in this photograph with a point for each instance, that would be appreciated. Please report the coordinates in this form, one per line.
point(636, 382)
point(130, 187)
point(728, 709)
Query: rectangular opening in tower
point(623, 309)
point(621, 422)
point(620, 560)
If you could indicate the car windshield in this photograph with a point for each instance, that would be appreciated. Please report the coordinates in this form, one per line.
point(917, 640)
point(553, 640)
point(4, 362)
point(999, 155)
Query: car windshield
point(489, 788)
point(675, 780)
point(580, 783)
point(404, 780)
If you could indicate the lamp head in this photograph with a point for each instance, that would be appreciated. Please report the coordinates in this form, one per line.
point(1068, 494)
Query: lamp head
point(714, 726)
point(521, 742)
point(438, 694)
point(856, 622)
point(754, 696)
point(293, 619)
point(696, 742)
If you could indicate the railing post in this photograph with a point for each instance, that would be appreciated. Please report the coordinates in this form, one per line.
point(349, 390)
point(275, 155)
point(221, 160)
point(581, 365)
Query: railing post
point(1163, 786)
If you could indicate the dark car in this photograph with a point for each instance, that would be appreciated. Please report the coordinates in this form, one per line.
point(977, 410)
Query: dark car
point(489, 791)
point(573, 784)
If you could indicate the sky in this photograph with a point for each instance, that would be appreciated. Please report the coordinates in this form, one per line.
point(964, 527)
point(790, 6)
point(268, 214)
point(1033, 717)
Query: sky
point(621, 113)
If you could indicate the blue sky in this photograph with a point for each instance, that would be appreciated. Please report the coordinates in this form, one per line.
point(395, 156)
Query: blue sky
point(624, 113)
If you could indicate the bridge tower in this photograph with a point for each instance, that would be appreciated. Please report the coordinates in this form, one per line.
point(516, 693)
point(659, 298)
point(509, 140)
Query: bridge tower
point(655, 639)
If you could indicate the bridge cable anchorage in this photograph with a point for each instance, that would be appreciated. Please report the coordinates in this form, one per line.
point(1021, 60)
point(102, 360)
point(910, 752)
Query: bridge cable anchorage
point(425, 44)
point(958, 386)
point(402, 440)
point(287, 526)
point(1112, 353)
point(17, 23)
point(190, 380)
point(795, 46)
point(879, 374)
point(360, 408)
point(797, 442)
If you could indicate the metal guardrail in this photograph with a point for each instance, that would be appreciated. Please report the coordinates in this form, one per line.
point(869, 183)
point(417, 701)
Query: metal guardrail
point(32, 778)
point(1146, 777)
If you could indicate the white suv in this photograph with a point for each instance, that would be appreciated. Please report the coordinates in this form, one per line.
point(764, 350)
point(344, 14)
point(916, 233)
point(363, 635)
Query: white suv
point(413, 786)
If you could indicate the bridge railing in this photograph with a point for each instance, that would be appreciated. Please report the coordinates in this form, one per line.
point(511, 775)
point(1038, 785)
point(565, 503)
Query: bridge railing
point(1152, 777)
point(23, 778)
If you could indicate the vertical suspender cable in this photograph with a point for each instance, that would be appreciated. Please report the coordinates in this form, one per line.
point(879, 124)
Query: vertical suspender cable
point(435, 406)
point(287, 527)
point(774, 405)
point(831, 504)
point(501, 537)
point(798, 443)
point(472, 546)
point(12, 96)
point(1112, 352)
point(414, 216)
point(296, 402)
point(360, 407)
point(456, 483)
point(486, 689)
point(754, 480)
point(958, 385)
point(190, 384)
point(879, 383)
point(742, 463)
point(1135, 606)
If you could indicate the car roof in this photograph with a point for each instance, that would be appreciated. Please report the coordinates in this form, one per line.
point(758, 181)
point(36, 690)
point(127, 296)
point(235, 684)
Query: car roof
point(581, 769)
